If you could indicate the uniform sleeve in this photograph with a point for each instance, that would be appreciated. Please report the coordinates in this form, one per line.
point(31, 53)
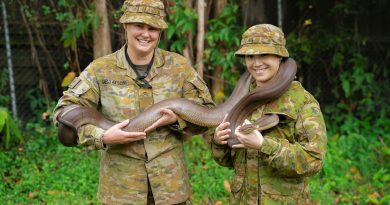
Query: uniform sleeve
point(83, 91)
point(305, 156)
point(194, 89)
point(221, 154)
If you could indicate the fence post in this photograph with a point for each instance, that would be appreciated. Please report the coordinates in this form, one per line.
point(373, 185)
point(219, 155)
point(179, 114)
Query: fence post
point(280, 14)
point(9, 61)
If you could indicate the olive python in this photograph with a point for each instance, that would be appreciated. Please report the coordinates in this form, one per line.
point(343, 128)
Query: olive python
point(239, 105)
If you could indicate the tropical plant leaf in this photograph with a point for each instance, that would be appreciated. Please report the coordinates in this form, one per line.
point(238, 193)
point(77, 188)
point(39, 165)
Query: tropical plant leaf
point(68, 79)
point(8, 128)
point(3, 116)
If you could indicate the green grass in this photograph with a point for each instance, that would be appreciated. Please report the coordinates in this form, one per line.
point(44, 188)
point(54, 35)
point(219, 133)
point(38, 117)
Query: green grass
point(41, 171)
point(206, 176)
point(356, 171)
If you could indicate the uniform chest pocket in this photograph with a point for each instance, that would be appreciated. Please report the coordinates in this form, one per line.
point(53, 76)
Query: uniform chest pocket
point(286, 128)
point(165, 90)
point(121, 96)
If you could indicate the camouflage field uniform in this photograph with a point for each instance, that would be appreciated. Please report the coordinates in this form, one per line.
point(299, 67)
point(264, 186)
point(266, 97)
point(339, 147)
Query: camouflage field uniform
point(277, 172)
point(291, 151)
point(109, 85)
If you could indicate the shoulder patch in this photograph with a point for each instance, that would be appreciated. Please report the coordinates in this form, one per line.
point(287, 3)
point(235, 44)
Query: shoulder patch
point(74, 82)
point(80, 87)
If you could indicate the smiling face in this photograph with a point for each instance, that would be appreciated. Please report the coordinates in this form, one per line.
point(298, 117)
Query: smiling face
point(142, 39)
point(262, 67)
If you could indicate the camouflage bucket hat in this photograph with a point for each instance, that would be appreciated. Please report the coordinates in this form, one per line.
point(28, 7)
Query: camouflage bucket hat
point(263, 39)
point(149, 12)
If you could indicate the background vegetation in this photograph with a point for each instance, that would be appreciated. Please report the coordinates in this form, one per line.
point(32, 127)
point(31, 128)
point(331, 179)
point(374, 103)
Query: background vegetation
point(348, 77)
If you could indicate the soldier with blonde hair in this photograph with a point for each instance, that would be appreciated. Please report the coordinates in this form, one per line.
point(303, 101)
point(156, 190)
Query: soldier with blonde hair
point(139, 167)
point(273, 167)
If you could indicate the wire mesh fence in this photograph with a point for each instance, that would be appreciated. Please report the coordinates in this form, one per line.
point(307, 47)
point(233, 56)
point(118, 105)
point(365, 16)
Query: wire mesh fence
point(35, 67)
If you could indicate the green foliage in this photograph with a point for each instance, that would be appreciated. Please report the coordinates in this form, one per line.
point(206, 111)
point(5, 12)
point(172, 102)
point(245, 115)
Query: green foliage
point(77, 24)
point(9, 129)
point(43, 171)
point(300, 48)
point(180, 23)
point(4, 97)
point(76, 16)
point(206, 176)
point(223, 38)
point(36, 99)
point(356, 169)
point(39, 107)
point(357, 82)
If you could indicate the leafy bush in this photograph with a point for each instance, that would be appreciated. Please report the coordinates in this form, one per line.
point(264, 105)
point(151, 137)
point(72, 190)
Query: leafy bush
point(209, 181)
point(356, 169)
point(4, 97)
point(43, 171)
point(181, 22)
point(223, 37)
point(9, 129)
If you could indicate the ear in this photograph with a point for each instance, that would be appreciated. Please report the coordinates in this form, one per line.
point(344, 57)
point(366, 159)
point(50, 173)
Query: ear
point(124, 29)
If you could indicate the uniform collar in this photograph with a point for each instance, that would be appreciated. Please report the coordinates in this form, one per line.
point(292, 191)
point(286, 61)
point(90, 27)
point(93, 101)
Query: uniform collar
point(158, 62)
point(289, 103)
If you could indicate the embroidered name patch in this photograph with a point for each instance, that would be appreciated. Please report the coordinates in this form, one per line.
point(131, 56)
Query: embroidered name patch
point(114, 82)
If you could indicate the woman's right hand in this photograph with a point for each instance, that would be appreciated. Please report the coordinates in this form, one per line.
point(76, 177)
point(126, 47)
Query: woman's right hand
point(222, 132)
point(115, 135)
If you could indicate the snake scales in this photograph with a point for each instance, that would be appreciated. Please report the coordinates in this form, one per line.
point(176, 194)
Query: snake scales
point(239, 105)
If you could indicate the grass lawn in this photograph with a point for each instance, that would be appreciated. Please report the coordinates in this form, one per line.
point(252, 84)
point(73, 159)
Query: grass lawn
point(42, 171)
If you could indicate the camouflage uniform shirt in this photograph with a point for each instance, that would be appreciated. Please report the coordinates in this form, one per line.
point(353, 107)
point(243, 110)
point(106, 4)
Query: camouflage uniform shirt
point(292, 151)
point(109, 85)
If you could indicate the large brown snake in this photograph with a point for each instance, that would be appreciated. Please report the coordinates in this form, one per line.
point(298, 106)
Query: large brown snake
point(239, 105)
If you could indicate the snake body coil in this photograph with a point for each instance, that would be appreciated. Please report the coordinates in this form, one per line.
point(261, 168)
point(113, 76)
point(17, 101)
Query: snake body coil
point(74, 116)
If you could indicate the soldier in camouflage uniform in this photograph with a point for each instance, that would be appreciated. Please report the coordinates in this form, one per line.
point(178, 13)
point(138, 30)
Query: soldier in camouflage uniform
point(139, 167)
point(273, 167)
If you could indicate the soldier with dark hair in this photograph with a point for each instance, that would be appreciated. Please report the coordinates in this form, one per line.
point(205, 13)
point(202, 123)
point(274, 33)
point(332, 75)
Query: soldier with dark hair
point(272, 167)
point(139, 167)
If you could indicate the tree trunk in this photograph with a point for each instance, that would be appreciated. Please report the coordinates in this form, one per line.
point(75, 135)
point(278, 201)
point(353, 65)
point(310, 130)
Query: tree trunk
point(188, 49)
point(219, 5)
point(251, 7)
point(217, 85)
point(101, 34)
point(200, 37)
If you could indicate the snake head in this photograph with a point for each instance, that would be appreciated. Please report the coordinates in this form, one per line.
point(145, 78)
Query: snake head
point(263, 123)
point(247, 128)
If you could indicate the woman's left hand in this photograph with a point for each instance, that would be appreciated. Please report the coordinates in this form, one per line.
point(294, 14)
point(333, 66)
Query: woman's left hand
point(253, 140)
point(167, 117)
